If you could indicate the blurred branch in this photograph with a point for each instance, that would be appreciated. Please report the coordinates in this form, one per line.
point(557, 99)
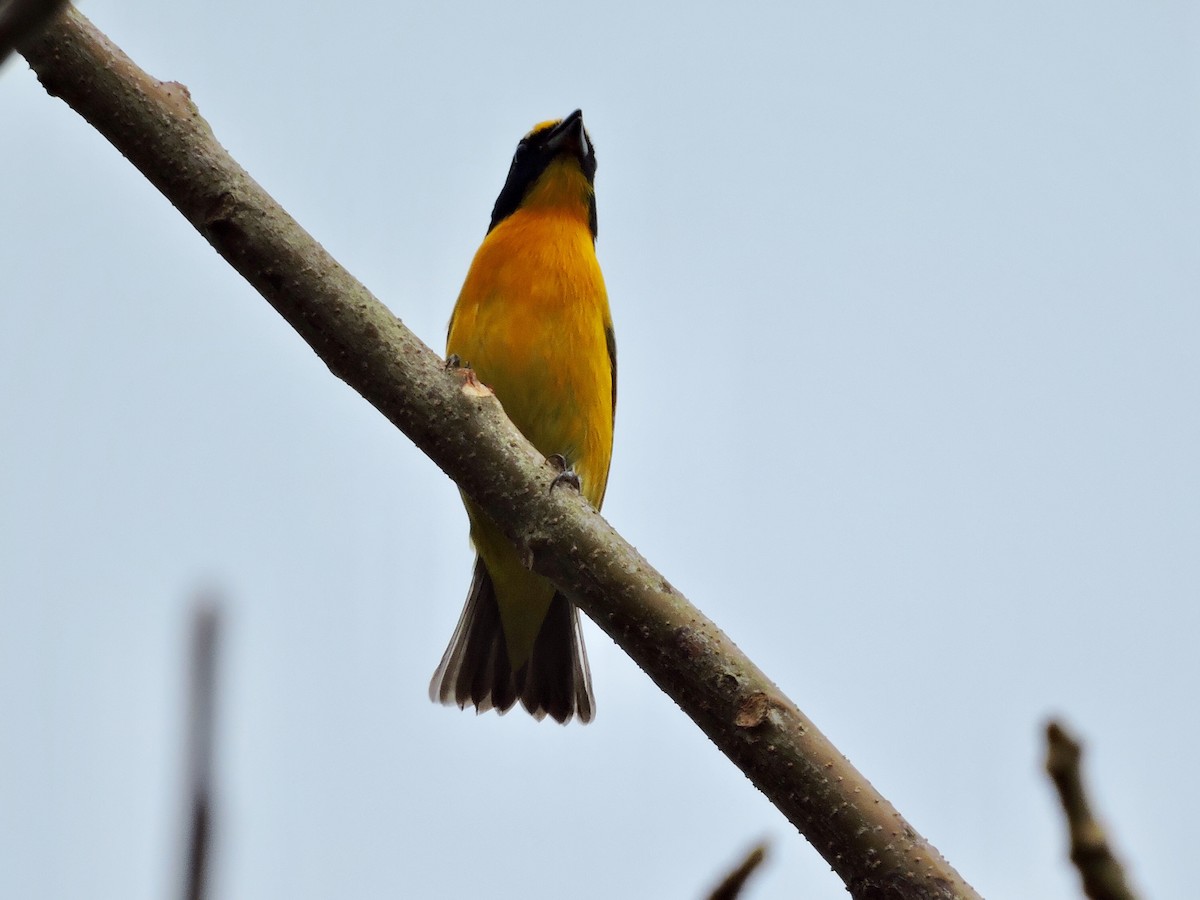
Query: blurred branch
point(464, 431)
point(731, 886)
point(199, 749)
point(1103, 877)
point(22, 19)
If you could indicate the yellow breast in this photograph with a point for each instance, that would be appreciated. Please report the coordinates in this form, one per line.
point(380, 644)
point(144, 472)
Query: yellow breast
point(531, 321)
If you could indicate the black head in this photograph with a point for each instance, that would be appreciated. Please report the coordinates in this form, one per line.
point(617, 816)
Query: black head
point(538, 149)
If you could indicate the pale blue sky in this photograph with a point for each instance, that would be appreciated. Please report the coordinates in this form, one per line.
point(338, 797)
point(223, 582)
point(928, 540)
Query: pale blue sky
point(907, 305)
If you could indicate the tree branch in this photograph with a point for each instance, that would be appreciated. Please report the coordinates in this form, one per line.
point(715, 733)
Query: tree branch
point(1102, 875)
point(464, 431)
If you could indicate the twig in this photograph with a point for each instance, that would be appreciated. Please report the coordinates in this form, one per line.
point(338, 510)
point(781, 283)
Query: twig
point(22, 19)
point(199, 749)
point(1102, 875)
point(464, 431)
point(731, 886)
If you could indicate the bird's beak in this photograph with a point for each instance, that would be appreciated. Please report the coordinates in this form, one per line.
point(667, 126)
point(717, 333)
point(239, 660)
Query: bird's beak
point(569, 136)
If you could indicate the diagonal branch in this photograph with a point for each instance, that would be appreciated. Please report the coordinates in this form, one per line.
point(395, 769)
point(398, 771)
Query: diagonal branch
point(464, 431)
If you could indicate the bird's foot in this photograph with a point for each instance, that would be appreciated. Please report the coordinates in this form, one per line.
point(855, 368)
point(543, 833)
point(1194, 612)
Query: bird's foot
point(566, 474)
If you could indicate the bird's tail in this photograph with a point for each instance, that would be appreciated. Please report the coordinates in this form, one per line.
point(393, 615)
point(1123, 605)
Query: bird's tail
point(475, 669)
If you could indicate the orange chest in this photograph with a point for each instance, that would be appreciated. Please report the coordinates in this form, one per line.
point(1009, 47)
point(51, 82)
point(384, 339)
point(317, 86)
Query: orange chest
point(531, 321)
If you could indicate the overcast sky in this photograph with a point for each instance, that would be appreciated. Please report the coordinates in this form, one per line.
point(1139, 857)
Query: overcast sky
point(906, 297)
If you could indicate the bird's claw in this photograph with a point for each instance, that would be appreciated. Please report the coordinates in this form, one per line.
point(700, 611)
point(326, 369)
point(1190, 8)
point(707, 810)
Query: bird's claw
point(566, 474)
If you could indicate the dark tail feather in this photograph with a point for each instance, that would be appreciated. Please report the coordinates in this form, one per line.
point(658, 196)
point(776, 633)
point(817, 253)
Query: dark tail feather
point(556, 678)
point(475, 669)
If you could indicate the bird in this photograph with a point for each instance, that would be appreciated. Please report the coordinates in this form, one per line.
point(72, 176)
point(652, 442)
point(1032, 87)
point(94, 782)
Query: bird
point(532, 322)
